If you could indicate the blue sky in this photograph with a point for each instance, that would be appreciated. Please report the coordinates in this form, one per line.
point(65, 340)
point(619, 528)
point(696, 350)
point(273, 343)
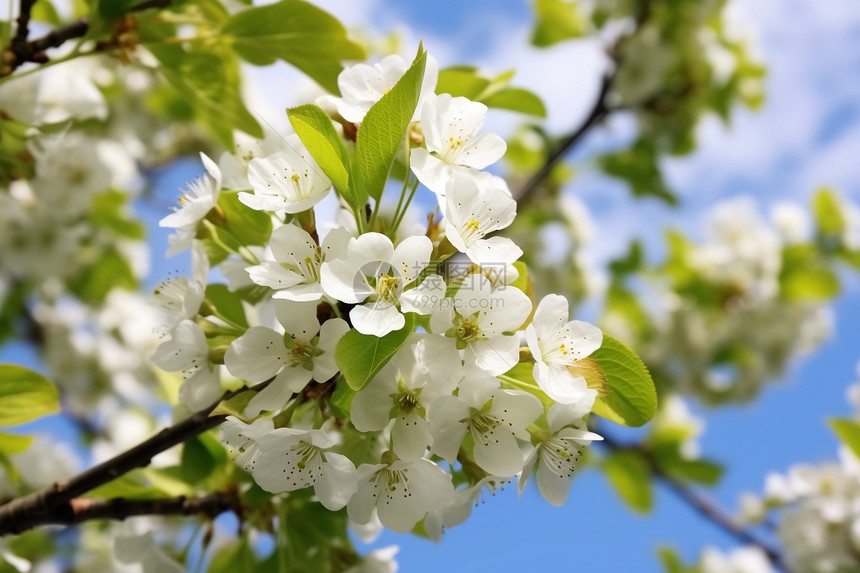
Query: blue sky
point(807, 135)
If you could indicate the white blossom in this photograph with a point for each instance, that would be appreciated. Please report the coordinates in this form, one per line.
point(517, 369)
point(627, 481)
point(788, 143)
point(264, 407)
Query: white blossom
point(373, 275)
point(288, 181)
point(187, 352)
point(291, 459)
point(477, 317)
point(293, 359)
point(557, 343)
point(197, 200)
point(494, 417)
point(557, 453)
point(451, 128)
point(402, 492)
point(295, 272)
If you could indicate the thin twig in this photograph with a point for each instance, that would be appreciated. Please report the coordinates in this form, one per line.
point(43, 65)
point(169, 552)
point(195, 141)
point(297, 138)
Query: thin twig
point(21, 51)
point(81, 509)
point(705, 506)
point(598, 112)
point(51, 504)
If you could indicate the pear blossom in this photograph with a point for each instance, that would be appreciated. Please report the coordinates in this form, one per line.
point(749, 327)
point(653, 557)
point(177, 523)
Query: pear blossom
point(197, 200)
point(403, 492)
point(558, 451)
point(362, 85)
point(741, 560)
point(377, 561)
point(451, 127)
point(494, 417)
point(295, 272)
point(476, 207)
point(144, 550)
point(293, 459)
point(556, 344)
point(373, 272)
point(477, 317)
point(234, 166)
point(187, 351)
point(403, 390)
point(179, 297)
point(459, 507)
point(293, 359)
point(289, 181)
point(242, 440)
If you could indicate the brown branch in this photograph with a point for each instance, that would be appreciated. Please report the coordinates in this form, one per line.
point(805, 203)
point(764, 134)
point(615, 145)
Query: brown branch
point(81, 509)
point(598, 112)
point(704, 506)
point(21, 51)
point(53, 502)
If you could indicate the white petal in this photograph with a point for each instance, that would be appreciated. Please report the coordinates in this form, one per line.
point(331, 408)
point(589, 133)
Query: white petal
point(370, 408)
point(553, 487)
point(301, 293)
point(411, 257)
point(410, 436)
point(497, 452)
point(424, 298)
point(186, 346)
point(560, 415)
point(291, 244)
point(342, 281)
point(377, 319)
point(518, 409)
point(200, 390)
point(496, 355)
point(273, 275)
point(338, 482)
point(493, 251)
point(256, 355)
point(559, 384)
point(431, 171)
point(360, 506)
point(481, 151)
point(447, 426)
point(298, 318)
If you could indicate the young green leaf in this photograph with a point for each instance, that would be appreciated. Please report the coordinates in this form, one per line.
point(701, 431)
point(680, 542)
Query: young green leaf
point(382, 131)
point(311, 39)
point(314, 128)
point(361, 356)
point(557, 20)
point(248, 226)
point(628, 473)
point(848, 432)
point(632, 400)
point(25, 395)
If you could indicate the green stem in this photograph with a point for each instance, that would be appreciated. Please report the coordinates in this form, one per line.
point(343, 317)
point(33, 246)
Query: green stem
point(396, 223)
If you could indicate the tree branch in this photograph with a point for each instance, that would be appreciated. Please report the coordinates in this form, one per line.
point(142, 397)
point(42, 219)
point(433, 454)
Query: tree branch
point(598, 112)
point(81, 509)
point(52, 504)
point(21, 51)
point(705, 506)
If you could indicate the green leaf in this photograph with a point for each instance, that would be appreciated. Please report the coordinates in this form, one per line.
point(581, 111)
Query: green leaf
point(44, 11)
point(382, 131)
point(828, 212)
point(517, 99)
point(461, 81)
point(314, 128)
point(557, 21)
point(629, 475)
point(130, 485)
point(633, 399)
point(108, 211)
point(248, 226)
point(111, 271)
point(25, 395)
point(848, 431)
point(809, 284)
point(14, 444)
point(198, 459)
point(112, 9)
point(341, 400)
point(638, 167)
point(235, 406)
point(228, 304)
point(361, 356)
point(466, 81)
point(521, 377)
point(311, 39)
point(210, 81)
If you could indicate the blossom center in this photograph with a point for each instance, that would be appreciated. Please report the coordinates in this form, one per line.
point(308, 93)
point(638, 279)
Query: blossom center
point(559, 457)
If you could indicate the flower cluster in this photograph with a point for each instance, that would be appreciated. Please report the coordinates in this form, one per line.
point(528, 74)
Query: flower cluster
point(385, 365)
